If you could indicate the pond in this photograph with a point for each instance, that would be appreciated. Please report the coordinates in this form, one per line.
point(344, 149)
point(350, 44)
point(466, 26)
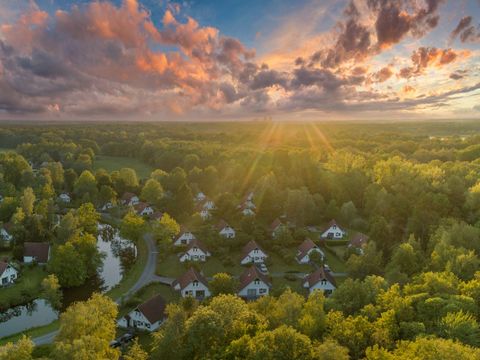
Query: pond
point(119, 255)
point(20, 318)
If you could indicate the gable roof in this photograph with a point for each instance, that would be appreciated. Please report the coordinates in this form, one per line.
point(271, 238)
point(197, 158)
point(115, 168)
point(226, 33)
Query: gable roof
point(196, 243)
point(305, 247)
point(157, 215)
point(153, 309)
point(252, 245)
point(358, 240)
point(128, 196)
point(188, 277)
point(318, 275)
point(183, 230)
point(37, 250)
point(275, 224)
point(330, 224)
point(3, 266)
point(140, 206)
point(221, 225)
point(250, 275)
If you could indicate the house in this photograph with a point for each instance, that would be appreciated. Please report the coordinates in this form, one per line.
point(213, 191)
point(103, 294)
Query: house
point(333, 231)
point(247, 201)
point(157, 215)
point(193, 284)
point(36, 252)
point(147, 316)
point(107, 206)
point(5, 235)
point(253, 284)
point(246, 211)
point(208, 204)
point(130, 199)
point(196, 251)
point(275, 227)
point(252, 253)
point(320, 279)
point(200, 197)
point(64, 197)
point(184, 237)
point(143, 209)
point(358, 242)
point(204, 213)
point(225, 230)
point(306, 249)
point(8, 274)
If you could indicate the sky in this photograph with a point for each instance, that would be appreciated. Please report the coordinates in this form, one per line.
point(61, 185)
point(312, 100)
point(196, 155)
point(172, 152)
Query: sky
point(239, 60)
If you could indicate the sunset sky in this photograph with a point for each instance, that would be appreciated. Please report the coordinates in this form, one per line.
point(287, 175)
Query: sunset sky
point(242, 59)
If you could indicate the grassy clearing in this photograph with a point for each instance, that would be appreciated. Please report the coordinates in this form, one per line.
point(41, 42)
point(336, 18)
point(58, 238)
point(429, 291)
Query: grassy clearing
point(335, 263)
point(276, 264)
point(112, 163)
point(25, 289)
point(280, 283)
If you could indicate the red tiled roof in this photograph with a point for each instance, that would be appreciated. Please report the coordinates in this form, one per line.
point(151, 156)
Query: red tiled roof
point(251, 274)
point(183, 230)
point(3, 266)
point(252, 245)
point(157, 215)
point(330, 224)
point(188, 277)
point(358, 240)
point(275, 224)
point(221, 224)
point(318, 275)
point(153, 309)
point(305, 247)
point(198, 244)
point(37, 250)
point(128, 196)
point(140, 207)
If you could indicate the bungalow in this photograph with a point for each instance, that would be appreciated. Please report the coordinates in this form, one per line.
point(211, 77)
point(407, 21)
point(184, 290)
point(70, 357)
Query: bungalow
point(208, 204)
point(320, 279)
point(130, 199)
point(333, 231)
point(184, 237)
point(143, 209)
point(252, 253)
point(64, 197)
point(36, 252)
point(225, 230)
point(8, 274)
point(196, 251)
point(253, 284)
point(246, 211)
point(275, 227)
point(204, 212)
point(157, 215)
point(147, 316)
point(193, 284)
point(306, 249)
point(358, 242)
point(200, 197)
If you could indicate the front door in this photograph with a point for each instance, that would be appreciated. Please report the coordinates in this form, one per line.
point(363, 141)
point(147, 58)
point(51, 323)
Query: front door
point(251, 293)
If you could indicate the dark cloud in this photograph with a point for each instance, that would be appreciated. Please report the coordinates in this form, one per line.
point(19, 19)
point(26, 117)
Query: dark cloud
point(466, 31)
point(459, 74)
point(268, 78)
point(382, 75)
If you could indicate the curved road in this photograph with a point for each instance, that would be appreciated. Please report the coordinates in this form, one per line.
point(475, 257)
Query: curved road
point(148, 275)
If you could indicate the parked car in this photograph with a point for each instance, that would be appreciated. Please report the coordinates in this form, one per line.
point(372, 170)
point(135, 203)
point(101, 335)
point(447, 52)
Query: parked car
point(126, 338)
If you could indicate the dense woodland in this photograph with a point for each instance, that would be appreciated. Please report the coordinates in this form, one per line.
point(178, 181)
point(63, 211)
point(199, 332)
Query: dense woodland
point(414, 188)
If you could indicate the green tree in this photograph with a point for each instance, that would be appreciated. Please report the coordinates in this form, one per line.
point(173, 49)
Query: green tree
point(152, 192)
point(165, 229)
point(223, 283)
point(312, 317)
point(68, 265)
point(68, 227)
point(85, 186)
point(86, 330)
point(461, 326)
point(21, 350)
point(51, 291)
point(27, 201)
point(132, 226)
point(88, 218)
point(135, 352)
point(330, 350)
point(368, 263)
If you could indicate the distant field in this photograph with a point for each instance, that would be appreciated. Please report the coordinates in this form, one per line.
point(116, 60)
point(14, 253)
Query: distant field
point(112, 163)
point(5, 149)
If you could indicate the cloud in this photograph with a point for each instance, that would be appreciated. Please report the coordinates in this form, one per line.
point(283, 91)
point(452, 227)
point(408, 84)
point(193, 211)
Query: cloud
point(424, 57)
point(466, 31)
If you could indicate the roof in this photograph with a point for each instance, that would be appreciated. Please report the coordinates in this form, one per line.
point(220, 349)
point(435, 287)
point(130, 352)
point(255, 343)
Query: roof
point(252, 245)
point(157, 215)
point(182, 231)
point(318, 275)
point(250, 275)
point(221, 225)
point(37, 250)
point(188, 277)
point(275, 224)
point(196, 243)
point(358, 240)
point(3, 266)
point(153, 309)
point(330, 224)
point(305, 247)
point(128, 196)
point(141, 206)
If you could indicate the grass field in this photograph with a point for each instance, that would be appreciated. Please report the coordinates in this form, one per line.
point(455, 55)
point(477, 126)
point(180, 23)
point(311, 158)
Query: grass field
point(25, 289)
point(112, 163)
point(5, 149)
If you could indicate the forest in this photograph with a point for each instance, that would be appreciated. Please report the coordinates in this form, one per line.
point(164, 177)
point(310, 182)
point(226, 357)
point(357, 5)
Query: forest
point(412, 291)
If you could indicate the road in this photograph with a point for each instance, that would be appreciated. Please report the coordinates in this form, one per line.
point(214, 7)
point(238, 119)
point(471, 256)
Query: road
point(148, 276)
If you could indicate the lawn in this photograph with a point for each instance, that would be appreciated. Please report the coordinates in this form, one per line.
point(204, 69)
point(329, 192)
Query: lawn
point(112, 163)
point(278, 265)
point(335, 263)
point(148, 292)
point(25, 289)
point(280, 283)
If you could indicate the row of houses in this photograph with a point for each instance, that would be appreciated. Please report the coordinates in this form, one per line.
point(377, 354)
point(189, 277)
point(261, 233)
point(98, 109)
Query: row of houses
point(252, 284)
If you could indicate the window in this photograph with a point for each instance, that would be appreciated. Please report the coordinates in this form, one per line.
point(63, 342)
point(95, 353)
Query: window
point(256, 281)
point(184, 241)
point(147, 325)
point(262, 291)
point(195, 283)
